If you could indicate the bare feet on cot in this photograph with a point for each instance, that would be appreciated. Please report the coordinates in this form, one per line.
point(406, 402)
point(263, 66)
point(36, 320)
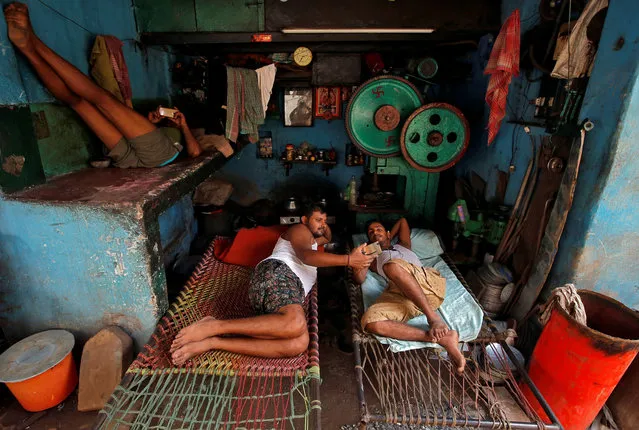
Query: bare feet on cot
point(450, 342)
point(190, 350)
point(193, 333)
point(19, 26)
point(438, 329)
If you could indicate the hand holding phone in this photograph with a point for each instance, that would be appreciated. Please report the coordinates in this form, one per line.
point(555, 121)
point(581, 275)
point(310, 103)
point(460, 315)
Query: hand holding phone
point(166, 112)
point(373, 249)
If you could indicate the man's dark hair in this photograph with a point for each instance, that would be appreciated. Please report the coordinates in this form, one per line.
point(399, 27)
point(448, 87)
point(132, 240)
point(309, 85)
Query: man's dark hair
point(372, 221)
point(313, 207)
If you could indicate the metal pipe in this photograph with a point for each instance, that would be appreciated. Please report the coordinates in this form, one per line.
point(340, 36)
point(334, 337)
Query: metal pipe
point(473, 422)
point(531, 385)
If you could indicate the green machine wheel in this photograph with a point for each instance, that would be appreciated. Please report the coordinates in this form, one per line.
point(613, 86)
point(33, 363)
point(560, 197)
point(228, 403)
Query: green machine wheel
point(376, 113)
point(435, 137)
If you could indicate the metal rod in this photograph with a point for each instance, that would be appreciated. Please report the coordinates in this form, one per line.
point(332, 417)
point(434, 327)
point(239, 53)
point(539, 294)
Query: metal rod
point(472, 422)
point(531, 385)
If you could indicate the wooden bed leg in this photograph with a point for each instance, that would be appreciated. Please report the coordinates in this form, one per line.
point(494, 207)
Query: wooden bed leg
point(362, 425)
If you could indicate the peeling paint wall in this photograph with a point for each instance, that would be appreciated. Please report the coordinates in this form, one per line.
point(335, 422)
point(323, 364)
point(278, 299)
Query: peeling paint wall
point(65, 142)
point(93, 269)
point(599, 246)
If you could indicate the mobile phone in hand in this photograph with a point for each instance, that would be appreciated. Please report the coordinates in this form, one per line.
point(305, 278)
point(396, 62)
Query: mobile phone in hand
point(373, 249)
point(166, 112)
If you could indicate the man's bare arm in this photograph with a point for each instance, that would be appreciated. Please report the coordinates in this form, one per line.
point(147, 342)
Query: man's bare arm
point(402, 230)
point(301, 239)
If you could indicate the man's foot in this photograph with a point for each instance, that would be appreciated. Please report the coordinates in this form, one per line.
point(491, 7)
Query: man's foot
point(450, 342)
point(190, 350)
point(194, 333)
point(438, 329)
point(19, 26)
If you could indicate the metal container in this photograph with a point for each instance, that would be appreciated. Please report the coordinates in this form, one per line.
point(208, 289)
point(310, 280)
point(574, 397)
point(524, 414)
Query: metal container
point(291, 204)
point(576, 367)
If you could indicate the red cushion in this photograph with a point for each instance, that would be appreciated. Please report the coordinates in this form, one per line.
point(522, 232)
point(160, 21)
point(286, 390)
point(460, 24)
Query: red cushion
point(252, 245)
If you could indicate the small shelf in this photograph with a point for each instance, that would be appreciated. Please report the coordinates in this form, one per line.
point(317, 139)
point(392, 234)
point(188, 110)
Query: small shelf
point(376, 210)
point(326, 165)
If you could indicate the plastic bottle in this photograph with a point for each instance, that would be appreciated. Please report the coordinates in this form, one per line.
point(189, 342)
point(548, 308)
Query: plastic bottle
point(352, 196)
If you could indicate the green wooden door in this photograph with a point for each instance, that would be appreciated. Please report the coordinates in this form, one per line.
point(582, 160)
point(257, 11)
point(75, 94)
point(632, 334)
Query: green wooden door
point(20, 164)
point(165, 15)
point(230, 15)
point(200, 15)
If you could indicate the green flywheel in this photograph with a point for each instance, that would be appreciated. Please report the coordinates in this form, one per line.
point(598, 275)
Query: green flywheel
point(435, 137)
point(376, 113)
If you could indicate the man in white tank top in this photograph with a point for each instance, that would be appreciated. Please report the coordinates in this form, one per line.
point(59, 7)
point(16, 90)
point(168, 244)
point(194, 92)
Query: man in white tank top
point(277, 292)
point(412, 290)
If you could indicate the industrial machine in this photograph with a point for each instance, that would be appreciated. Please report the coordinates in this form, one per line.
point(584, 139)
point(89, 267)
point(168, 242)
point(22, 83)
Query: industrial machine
point(387, 120)
point(476, 226)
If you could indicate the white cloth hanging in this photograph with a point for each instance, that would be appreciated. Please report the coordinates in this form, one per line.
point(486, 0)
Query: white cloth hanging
point(578, 55)
point(265, 80)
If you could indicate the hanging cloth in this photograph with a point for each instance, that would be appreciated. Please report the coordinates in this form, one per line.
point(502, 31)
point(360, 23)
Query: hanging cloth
point(120, 71)
point(109, 69)
point(265, 80)
point(577, 56)
point(243, 104)
point(502, 65)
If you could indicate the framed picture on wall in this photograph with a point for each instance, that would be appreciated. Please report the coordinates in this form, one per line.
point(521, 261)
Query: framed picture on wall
point(298, 107)
point(328, 102)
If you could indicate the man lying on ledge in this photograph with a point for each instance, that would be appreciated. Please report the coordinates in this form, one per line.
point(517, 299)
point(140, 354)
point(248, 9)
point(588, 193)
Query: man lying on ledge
point(277, 292)
point(412, 290)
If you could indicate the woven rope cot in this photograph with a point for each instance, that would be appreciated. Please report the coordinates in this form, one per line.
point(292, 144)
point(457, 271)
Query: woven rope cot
point(216, 390)
point(420, 387)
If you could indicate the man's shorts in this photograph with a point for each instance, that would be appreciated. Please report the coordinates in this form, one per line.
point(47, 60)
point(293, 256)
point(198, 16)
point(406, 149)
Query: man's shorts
point(273, 286)
point(393, 305)
point(152, 149)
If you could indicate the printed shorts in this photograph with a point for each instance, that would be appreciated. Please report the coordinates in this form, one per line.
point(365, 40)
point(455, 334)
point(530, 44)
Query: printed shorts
point(273, 286)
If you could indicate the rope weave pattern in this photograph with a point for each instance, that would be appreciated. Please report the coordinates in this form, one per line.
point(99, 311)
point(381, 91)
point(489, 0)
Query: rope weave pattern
point(421, 386)
point(217, 389)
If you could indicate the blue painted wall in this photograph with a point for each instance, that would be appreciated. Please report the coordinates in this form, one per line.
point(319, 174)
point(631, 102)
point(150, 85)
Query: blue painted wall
point(255, 178)
point(70, 144)
point(512, 145)
point(177, 230)
point(148, 69)
point(600, 245)
point(93, 270)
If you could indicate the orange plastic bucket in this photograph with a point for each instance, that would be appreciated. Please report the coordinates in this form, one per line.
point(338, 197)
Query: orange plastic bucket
point(575, 367)
point(40, 370)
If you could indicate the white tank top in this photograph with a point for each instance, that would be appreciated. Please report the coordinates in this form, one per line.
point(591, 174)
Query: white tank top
point(396, 251)
point(284, 252)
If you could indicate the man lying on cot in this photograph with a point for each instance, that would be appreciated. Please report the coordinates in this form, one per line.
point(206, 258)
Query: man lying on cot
point(277, 291)
point(412, 290)
point(132, 139)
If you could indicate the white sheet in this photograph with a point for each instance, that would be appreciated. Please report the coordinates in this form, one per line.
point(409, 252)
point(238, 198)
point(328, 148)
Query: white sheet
point(459, 310)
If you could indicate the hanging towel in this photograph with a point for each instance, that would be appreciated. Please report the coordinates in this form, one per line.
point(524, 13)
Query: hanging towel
point(243, 104)
point(120, 71)
point(265, 80)
point(108, 68)
point(576, 58)
point(502, 65)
